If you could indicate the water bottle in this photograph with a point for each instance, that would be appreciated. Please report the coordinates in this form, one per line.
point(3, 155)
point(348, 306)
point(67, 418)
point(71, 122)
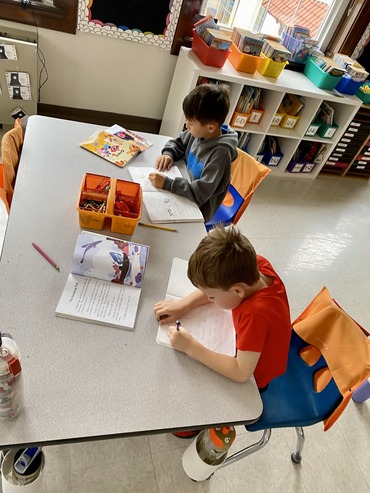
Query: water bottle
point(207, 452)
point(213, 444)
point(11, 383)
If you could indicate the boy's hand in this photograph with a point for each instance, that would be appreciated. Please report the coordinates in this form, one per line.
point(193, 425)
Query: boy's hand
point(180, 339)
point(167, 311)
point(164, 162)
point(157, 180)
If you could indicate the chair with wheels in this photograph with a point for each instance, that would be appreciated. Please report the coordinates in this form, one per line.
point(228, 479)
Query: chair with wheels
point(329, 358)
point(246, 174)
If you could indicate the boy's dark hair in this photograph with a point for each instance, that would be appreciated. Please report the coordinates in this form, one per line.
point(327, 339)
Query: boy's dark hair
point(223, 258)
point(207, 103)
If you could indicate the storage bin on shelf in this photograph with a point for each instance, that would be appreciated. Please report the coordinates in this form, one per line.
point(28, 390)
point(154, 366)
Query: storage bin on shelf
point(327, 131)
point(206, 54)
point(321, 79)
point(308, 167)
point(365, 97)
point(348, 86)
point(277, 118)
point(239, 120)
point(289, 121)
point(242, 61)
point(295, 166)
point(313, 128)
point(298, 47)
point(269, 67)
point(104, 197)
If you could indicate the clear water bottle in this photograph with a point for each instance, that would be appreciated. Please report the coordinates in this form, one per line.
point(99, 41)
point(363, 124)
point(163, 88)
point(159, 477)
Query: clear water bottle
point(11, 382)
point(213, 444)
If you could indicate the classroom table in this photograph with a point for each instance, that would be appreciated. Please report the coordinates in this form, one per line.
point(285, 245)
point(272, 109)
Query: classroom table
point(84, 381)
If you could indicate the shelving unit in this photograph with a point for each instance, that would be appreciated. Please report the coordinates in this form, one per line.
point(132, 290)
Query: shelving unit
point(188, 70)
point(351, 155)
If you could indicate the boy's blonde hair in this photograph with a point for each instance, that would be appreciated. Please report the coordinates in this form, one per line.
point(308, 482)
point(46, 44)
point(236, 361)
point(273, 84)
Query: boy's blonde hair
point(223, 258)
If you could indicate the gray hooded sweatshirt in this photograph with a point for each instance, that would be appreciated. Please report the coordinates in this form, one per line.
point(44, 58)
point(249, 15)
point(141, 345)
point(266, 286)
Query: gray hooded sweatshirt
point(208, 162)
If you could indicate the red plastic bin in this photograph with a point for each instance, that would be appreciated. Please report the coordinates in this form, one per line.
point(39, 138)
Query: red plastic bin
point(207, 54)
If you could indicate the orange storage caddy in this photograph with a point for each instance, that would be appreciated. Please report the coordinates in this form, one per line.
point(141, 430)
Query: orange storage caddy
point(242, 61)
point(104, 197)
point(207, 54)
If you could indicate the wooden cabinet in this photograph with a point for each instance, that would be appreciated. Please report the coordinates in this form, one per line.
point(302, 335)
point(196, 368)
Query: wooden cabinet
point(189, 71)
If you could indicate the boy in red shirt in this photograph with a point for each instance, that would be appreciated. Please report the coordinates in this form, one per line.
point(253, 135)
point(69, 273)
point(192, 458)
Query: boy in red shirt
point(227, 271)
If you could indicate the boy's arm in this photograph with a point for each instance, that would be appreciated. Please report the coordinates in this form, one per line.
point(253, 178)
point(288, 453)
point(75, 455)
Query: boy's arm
point(216, 169)
point(176, 147)
point(239, 368)
point(167, 311)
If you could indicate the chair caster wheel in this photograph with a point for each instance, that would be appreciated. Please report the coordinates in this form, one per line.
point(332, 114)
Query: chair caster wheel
point(296, 458)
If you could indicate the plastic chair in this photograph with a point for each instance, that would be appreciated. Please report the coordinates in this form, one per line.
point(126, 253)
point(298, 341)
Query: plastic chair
point(314, 389)
point(11, 147)
point(246, 174)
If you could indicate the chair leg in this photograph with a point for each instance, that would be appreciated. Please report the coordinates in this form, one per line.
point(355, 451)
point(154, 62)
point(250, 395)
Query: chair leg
point(297, 455)
point(250, 449)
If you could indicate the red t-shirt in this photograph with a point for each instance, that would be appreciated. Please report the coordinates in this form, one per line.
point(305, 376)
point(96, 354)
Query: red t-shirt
point(262, 324)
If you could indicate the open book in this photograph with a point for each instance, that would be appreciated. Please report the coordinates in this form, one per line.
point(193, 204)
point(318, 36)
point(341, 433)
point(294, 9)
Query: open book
point(163, 206)
point(210, 325)
point(105, 281)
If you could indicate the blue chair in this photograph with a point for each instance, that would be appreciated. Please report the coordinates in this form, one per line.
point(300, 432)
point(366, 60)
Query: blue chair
point(291, 400)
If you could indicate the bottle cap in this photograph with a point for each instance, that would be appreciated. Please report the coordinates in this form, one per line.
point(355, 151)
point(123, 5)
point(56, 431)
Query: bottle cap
point(222, 437)
point(9, 356)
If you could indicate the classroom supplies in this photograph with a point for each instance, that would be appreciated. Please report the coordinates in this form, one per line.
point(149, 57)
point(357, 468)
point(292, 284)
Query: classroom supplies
point(11, 380)
point(247, 42)
point(157, 226)
point(129, 136)
point(111, 147)
point(46, 256)
point(163, 206)
point(105, 281)
point(210, 325)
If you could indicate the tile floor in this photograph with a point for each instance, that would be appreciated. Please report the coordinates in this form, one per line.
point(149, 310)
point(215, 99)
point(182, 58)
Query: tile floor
point(315, 233)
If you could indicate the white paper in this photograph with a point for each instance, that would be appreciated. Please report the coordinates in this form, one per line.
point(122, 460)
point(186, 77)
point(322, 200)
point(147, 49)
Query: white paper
point(210, 325)
point(140, 175)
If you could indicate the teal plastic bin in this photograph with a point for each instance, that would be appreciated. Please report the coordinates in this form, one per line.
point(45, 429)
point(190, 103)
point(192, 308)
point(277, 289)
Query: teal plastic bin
point(321, 79)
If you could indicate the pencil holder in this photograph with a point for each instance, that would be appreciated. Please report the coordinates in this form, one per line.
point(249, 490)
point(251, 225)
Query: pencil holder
point(103, 197)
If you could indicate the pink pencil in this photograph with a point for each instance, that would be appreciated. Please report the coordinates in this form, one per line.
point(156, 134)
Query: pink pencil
point(51, 261)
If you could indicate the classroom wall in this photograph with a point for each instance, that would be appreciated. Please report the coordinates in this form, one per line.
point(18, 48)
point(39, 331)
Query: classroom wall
point(101, 73)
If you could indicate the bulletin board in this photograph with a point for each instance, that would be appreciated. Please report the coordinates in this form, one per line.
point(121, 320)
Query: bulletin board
point(143, 21)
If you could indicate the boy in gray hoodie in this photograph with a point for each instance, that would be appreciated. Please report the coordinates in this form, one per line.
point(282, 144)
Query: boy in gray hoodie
point(207, 146)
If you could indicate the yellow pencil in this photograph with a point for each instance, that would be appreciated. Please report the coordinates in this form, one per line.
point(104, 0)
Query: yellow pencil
point(156, 226)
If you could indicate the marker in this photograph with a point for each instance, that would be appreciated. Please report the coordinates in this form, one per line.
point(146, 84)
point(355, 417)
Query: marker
point(178, 323)
point(156, 226)
point(51, 261)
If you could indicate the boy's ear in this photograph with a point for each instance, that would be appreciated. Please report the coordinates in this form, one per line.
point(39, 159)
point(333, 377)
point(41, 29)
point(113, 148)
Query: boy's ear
point(239, 290)
point(212, 127)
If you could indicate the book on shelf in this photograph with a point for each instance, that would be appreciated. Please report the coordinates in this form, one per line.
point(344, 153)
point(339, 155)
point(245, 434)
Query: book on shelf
point(216, 39)
point(105, 281)
point(326, 113)
point(206, 22)
point(249, 99)
point(293, 104)
point(247, 41)
point(163, 206)
point(275, 50)
point(209, 324)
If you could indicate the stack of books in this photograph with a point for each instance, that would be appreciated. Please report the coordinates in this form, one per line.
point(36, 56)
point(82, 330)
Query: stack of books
point(326, 113)
point(298, 41)
point(293, 104)
point(243, 139)
point(249, 99)
point(354, 70)
point(247, 41)
point(209, 31)
point(275, 50)
point(328, 65)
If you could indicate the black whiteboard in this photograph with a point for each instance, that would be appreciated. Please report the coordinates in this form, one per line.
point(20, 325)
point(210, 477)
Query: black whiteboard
point(143, 15)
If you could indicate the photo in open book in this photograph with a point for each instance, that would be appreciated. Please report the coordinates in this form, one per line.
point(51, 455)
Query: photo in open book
point(110, 259)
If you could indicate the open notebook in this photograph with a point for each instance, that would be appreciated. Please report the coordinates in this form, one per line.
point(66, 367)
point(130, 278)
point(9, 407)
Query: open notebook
point(210, 325)
point(163, 206)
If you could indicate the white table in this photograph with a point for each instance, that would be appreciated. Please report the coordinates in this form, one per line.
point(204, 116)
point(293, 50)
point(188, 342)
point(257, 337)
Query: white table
point(85, 381)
